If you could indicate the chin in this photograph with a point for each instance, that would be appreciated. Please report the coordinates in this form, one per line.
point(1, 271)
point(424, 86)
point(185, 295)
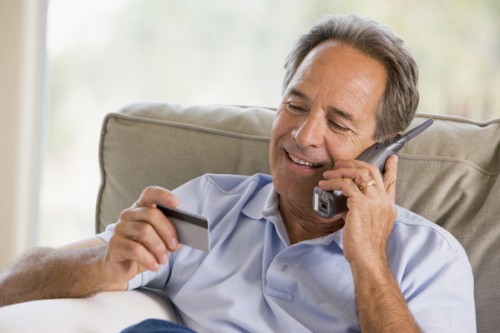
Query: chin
point(295, 189)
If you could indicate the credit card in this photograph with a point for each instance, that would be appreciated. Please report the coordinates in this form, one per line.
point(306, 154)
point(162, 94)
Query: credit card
point(192, 229)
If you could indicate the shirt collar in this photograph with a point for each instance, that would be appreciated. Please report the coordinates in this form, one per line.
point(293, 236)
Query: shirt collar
point(265, 205)
point(261, 202)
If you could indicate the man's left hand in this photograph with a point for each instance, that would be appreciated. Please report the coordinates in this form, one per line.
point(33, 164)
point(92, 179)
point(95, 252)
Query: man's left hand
point(371, 207)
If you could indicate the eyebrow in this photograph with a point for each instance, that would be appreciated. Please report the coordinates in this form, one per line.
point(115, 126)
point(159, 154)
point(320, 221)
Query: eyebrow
point(347, 116)
point(297, 93)
point(343, 114)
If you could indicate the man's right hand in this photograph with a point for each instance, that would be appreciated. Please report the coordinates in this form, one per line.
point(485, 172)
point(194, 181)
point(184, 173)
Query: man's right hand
point(142, 238)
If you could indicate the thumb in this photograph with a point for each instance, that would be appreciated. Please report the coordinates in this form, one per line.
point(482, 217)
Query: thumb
point(390, 175)
point(153, 195)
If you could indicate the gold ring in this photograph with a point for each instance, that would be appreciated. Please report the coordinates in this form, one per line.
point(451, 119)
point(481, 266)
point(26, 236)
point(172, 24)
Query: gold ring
point(365, 183)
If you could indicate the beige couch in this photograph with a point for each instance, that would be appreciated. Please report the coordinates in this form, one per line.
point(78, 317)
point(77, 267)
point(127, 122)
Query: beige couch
point(449, 174)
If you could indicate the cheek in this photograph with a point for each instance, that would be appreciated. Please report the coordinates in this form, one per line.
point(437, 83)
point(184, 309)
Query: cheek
point(278, 122)
point(339, 147)
point(273, 142)
point(280, 128)
point(344, 148)
point(280, 133)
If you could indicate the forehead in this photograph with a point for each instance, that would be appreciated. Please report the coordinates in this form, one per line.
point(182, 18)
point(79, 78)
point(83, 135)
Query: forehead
point(333, 61)
point(341, 76)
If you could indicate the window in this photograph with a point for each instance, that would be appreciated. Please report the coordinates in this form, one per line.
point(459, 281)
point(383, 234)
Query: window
point(105, 54)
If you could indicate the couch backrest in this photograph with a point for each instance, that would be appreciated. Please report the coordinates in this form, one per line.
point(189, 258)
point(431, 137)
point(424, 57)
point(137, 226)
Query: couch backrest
point(448, 174)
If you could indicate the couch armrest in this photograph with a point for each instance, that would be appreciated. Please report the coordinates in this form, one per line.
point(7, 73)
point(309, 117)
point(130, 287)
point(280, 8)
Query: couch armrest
point(105, 312)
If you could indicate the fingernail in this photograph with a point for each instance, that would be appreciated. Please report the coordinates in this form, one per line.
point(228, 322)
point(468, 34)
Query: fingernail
point(164, 259)
point(156, 267)
point(174, 201)
point(172, 244)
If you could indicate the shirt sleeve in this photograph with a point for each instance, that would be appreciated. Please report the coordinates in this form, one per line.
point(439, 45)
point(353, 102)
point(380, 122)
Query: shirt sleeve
point(107, 233)
point(437, 280)
point(447, 304)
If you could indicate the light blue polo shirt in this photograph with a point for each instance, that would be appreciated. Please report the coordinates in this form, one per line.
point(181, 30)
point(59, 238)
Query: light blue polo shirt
point(252, 280)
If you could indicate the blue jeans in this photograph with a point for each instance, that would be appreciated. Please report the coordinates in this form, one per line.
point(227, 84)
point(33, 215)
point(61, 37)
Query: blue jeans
point(157, 326)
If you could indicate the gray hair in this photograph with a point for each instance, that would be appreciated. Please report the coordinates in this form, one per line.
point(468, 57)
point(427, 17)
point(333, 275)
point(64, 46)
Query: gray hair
point(399, 103)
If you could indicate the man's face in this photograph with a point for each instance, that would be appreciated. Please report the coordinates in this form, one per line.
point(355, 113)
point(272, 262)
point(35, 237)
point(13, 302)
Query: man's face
point(328, 113)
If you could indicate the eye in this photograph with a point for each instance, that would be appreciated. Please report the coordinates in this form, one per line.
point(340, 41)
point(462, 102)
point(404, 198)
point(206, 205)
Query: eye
point(339, 128)
point(292, 107)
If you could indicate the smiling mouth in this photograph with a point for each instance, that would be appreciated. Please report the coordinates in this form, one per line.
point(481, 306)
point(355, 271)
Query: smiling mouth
point(303, 163)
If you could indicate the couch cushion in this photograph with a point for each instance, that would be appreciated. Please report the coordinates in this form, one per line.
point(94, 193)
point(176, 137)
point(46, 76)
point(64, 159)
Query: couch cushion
point(168, 144)
point(102, 313)
point(448, 174)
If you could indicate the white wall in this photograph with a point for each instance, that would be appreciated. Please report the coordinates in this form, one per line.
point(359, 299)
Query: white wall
point(22, 63)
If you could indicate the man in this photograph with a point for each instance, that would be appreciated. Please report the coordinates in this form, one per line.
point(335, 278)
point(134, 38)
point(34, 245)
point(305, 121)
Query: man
point(274, 265)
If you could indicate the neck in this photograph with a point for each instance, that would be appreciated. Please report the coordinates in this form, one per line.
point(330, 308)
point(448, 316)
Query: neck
point(303, 224)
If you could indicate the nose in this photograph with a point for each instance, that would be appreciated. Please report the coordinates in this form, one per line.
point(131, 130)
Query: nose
point(311, 132)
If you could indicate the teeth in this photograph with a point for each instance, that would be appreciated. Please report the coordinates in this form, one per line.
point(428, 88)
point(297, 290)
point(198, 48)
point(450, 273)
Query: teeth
point(302, 162)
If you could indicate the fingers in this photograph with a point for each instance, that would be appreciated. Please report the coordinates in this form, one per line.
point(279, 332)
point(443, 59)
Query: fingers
point(132, 254)
point(371, 206)
point(148, 227)
point(153, 195)
point(150, 197)
point(143, 236)
point(358, 177)
point(352, 177)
